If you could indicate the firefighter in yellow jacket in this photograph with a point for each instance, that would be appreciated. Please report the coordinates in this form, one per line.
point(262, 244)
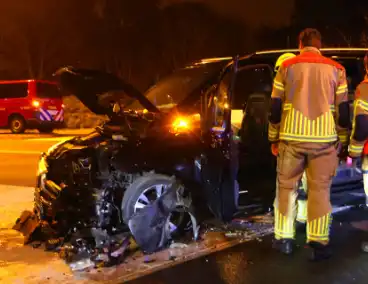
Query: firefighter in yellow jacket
point(301, 215)
point(358, 146)
point(309, 116)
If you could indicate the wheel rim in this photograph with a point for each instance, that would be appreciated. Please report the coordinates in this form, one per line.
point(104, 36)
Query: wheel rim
point(151, 194)
point(17, 124)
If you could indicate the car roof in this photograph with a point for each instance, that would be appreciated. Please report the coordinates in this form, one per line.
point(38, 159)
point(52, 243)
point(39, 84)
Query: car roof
point(337, 51)
point(267, 54)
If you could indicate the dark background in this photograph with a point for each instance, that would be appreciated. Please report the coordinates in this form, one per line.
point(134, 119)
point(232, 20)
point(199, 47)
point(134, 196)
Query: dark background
point(142, 40)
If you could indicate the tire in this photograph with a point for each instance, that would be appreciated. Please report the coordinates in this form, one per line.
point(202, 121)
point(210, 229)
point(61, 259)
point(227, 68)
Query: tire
point(17, 124)
point(45, 130)
point(134, 191)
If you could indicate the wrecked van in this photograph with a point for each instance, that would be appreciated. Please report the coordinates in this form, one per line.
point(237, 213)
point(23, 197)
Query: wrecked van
point(195, 140)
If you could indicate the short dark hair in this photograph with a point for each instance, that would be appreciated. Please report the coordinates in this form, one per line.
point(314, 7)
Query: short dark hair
point(311, 37)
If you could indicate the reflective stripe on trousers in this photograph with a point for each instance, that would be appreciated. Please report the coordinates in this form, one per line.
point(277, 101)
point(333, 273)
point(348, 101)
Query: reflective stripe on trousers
point(318, 230)
point(322, 163)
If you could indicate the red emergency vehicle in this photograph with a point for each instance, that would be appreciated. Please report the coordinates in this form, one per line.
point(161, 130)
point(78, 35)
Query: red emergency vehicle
point(30, 104)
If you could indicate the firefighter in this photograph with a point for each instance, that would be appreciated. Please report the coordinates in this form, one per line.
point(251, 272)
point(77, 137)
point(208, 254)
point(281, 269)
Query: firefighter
point(301, 215)
point(358, 146)
point(309, 118)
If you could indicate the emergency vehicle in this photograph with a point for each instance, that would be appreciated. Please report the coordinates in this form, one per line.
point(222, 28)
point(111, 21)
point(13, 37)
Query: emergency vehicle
point(30, 104)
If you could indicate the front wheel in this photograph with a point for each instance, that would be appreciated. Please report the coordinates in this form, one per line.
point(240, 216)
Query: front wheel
point(147, 189)
point(17, 124)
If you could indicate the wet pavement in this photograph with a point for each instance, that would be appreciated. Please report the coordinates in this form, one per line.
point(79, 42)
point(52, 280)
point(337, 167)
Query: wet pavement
point(256, 263)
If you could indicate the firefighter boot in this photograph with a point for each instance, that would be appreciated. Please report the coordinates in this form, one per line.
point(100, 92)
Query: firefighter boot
point(320, 251)
point(284, 246)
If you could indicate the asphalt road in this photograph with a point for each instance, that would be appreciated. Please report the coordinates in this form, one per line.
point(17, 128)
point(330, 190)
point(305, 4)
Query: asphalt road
point(256, 263)
point(19, 156)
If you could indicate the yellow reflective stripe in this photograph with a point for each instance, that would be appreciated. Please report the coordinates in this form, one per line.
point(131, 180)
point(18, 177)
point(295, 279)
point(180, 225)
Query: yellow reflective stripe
point(287, 106)
point(317, 125)
point(362, 104)
point(287, 122)
point(284, 226)
point(354, 115)
point(356, 148)
point(343, 138)
point(280, 84)
point(341, 92)
point(303, 138)
point(295, 126)
point(318, 230)
point(342, 89)
point(297, 122)
point(278, 88)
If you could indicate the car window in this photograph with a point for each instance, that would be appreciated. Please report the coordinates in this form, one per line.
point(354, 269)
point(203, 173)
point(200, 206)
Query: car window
point(47, 90)
point(249, 80)
point(219, 103)
point(12, 91)
point(174, 88)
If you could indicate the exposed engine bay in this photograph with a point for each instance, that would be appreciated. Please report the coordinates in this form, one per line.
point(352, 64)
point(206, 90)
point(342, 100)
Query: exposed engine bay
point(86, 205)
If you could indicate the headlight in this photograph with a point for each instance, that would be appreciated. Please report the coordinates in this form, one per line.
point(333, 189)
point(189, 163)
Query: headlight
point(185, 123)
point(181, 123)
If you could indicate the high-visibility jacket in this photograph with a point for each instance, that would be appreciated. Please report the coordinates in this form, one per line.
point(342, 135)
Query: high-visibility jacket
point(359, 135)
point(309, 101)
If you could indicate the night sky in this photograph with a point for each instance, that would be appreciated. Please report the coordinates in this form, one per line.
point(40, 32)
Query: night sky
point(256, 13)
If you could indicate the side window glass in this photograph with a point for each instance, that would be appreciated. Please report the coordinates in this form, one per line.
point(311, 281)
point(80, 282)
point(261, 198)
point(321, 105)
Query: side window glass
point(219, 102)
point(12, 91)
point(252, 80)
point(3, 91)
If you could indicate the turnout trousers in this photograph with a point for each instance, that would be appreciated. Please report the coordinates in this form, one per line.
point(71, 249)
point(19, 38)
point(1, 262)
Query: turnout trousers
point(319, 161)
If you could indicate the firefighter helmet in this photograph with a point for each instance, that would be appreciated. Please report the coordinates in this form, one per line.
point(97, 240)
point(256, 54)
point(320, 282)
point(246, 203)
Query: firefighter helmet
point(282, 58)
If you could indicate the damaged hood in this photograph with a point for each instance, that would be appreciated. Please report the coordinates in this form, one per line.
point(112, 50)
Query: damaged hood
point(97, 89)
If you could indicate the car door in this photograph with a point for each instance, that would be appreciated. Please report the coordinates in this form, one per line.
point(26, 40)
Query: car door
point(218, 162)
point(257, 165)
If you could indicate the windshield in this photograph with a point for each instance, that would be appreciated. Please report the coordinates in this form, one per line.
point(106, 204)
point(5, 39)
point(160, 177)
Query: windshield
point(47, 90)
point(174, 88)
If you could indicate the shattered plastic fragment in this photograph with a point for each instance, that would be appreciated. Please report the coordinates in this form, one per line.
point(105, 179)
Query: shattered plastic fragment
point(81, 264)
point(178, 245)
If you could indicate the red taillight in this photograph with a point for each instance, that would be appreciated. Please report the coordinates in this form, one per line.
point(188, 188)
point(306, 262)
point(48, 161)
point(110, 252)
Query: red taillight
point(36, 103)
